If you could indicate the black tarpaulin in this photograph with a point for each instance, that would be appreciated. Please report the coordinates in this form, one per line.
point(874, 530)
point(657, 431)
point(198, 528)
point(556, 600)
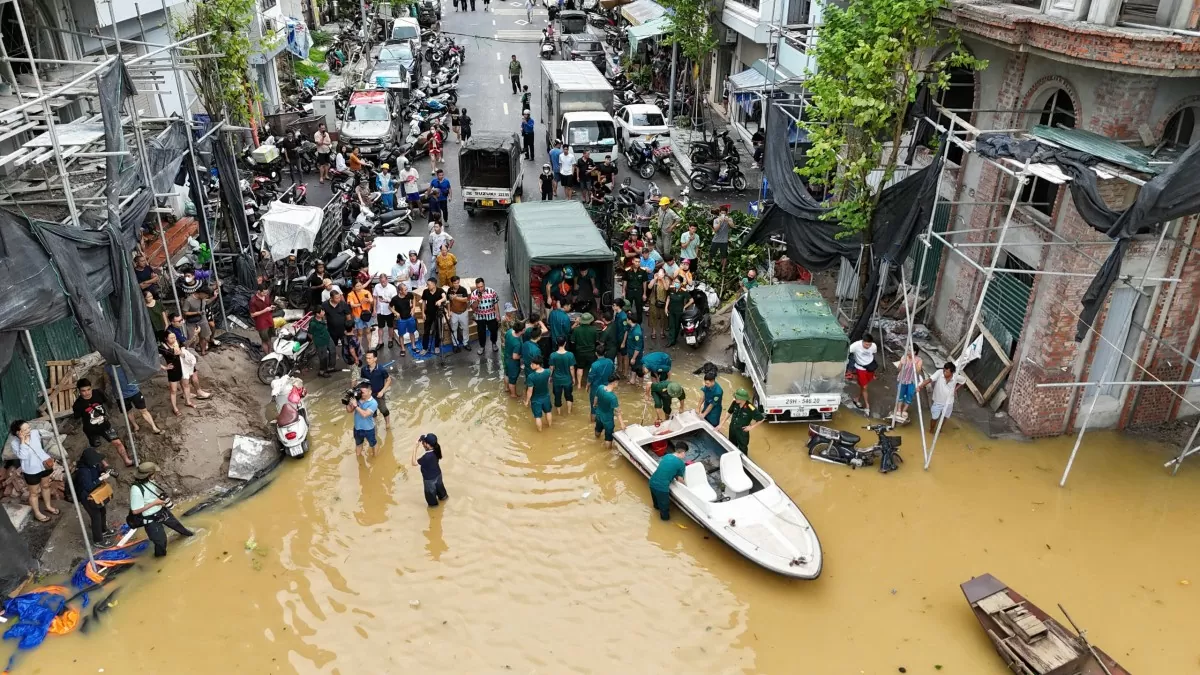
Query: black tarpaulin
point(903, 209)
point(232, 193)
point(1174, 193)
point(120, 171)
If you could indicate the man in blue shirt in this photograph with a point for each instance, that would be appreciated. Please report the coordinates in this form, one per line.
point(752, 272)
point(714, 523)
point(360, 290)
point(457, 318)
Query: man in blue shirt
point(710, 409)
point(363, 408)
point(380, 381)
point(132, 394)
point(527, 134)
point(555, 154)
point(619, 319)
point(559, 321)
point(443, 185)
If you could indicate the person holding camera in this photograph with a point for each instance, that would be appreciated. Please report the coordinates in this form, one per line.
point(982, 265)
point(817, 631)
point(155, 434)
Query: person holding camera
point(151, 502)
point(380, 381)
point(364, 407)
point(90, 476)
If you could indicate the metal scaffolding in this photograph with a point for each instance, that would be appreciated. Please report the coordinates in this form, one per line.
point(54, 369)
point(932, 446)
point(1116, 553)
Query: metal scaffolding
point(52, 117)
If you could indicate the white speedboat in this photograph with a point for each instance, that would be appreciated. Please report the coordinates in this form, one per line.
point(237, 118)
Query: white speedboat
point(730, 495)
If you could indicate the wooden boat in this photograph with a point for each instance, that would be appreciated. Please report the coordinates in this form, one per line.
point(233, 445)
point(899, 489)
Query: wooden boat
point(1028, 639)
point(731, 496)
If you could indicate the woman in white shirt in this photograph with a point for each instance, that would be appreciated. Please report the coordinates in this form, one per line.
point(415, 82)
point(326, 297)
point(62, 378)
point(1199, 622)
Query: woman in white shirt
point(36, 465)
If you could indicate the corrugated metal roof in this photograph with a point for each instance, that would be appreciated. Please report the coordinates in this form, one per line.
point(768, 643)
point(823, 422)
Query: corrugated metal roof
point(576, 75)
point(1101, 146)
point(642, 11)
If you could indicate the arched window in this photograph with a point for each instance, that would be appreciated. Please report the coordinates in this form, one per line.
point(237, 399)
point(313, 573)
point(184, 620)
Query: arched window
point(1179, 129)
point(1057, 111)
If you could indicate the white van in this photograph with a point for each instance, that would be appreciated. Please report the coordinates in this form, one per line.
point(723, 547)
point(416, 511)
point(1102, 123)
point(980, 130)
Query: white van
point(404, 29)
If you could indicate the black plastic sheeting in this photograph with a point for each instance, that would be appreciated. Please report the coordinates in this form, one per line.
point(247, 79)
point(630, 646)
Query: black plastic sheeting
point(1174, 193)
point(903, 209)
point(232, 193)
point(51, 271)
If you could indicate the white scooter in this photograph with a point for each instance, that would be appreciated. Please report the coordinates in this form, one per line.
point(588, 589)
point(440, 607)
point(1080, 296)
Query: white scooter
point(291, 423)
point(291, 350)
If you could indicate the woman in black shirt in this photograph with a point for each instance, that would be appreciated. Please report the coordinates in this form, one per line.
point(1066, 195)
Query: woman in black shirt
point(171, 352)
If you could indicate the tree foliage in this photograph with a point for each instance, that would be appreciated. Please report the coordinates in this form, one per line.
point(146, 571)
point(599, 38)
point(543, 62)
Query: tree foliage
point(222, 83)
point(870, 62)
point(691, 30)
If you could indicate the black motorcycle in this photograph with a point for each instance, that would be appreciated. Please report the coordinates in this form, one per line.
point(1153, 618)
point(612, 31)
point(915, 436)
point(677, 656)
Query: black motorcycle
point(709, 150)
point(840, 447)
point(718, 177)
point(697, 319)
point(639, 155)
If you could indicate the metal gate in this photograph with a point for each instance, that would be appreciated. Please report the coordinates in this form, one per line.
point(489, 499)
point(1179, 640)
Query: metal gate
point(941, 223)
point(1004, 308)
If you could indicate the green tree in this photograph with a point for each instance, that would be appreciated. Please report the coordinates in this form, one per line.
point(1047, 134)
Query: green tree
point(870, 61)
point(691, 30)
point(222, 82)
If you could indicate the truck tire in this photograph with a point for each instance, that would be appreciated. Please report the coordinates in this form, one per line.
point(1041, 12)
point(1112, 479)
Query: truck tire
point(737, 362)
point(470, 212)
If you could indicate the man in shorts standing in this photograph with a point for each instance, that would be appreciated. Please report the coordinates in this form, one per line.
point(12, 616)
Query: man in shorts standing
point(945, 387)
point(324, 147)
point(537, 392)
point(720, 240)
point(566, 171)
point(406, 323)
point(131, 393)
point(862, 370)
point(384, 292)
point(89, 408)
point(363, 408)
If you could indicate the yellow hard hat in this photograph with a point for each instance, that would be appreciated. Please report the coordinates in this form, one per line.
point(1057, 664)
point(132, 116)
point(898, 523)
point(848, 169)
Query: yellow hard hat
point(385, 166)
point(664, 201)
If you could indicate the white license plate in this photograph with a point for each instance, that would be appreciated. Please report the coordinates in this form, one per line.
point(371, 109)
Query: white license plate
point(690, 339)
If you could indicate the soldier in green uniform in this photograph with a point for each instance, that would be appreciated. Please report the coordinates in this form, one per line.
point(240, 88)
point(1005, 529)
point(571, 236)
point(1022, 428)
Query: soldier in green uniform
point(662, 393)
point(612, 340)
point(634, 348)
point(512, 356)
point(619, 317)
point(742, 416)
point(583, 345)
point(598, 376)
point(677, 301)
point(670, 468)
point(537, 392)
point(530, 350)
point(608, 409)
point(562, 367)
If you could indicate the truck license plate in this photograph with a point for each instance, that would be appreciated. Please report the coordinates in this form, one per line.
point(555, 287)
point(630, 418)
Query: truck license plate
point(690, 339)
point(488, 202)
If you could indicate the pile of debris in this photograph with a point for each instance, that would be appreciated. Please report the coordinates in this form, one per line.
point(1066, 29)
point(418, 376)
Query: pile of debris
point(15, 490)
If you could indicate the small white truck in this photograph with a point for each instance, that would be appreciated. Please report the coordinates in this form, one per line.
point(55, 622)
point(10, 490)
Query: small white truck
point(787, 341)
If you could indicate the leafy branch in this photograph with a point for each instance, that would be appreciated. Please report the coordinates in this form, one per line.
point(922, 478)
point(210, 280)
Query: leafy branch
point(869, 60)
point(222, 82)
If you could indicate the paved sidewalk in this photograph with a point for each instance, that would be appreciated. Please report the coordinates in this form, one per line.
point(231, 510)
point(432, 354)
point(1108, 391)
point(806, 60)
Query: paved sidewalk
point(681, 148)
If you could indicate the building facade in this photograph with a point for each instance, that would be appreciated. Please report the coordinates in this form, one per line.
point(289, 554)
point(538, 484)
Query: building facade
point(1129, 72)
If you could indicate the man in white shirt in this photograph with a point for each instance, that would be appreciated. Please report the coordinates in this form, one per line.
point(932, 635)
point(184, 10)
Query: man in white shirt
point(945, 386)
point(566, 171)
point(862, 357)
point(438, 236)
point(412, 187)
point(384, 292)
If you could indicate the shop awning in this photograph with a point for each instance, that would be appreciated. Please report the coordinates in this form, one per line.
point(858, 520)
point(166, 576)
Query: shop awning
point(642, 11)
point(652, 28)
point(758, 76)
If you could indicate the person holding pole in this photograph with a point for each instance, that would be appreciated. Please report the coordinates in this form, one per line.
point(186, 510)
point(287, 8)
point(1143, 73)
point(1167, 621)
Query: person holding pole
point(945, 386)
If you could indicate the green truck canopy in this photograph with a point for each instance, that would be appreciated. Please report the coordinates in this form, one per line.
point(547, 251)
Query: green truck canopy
point(552, 233)
point(792, 323)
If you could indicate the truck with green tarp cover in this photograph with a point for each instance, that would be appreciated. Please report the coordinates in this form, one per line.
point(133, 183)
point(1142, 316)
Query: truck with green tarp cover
point(787, 341)
point(545, 238)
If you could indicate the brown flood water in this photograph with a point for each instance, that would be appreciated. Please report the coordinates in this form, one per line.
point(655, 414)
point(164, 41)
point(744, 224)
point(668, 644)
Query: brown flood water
point(548, 558)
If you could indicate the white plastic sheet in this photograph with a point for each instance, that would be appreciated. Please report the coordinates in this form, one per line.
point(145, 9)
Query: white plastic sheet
point(288, 227)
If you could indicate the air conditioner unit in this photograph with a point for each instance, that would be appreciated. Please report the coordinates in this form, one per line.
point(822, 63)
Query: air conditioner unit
point(731, 36)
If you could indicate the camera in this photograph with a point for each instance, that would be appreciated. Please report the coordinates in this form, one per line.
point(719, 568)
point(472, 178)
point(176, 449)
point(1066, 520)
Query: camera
point(353, 393)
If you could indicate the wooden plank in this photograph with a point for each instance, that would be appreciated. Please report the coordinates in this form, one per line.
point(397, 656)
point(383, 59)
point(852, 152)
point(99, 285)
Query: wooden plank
point(987, 334)
point(974, 390)
point(996, 602)
point(61, 386)
point(997, 383)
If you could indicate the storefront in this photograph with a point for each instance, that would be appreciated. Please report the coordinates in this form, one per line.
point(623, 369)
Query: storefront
point(749, 91)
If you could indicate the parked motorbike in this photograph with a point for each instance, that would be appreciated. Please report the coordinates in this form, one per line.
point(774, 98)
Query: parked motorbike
point(840, 447)
point(548, 47)
point(639, 155)
point(291, 350)
point(296, 194)
point(719, 146)
point(291, 420)
point(718, 177)
point(697, 319)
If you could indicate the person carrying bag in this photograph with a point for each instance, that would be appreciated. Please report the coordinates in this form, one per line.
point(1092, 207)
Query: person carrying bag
point(150, 508)
point(91, 484)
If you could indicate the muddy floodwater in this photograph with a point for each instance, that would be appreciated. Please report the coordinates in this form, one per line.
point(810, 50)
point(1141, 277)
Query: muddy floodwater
point(549, 559)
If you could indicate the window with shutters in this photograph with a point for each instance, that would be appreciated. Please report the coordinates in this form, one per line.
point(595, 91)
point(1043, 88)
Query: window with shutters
point(1141, 11)
point(1179, 129)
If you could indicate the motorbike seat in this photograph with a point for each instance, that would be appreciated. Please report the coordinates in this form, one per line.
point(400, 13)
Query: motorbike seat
point(691, 313)
point(337, 263)
point(388, 217)
point(849, 438)
point(288, 414)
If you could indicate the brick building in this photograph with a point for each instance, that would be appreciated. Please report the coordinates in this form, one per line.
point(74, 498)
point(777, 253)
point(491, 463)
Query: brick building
point(1075, 64)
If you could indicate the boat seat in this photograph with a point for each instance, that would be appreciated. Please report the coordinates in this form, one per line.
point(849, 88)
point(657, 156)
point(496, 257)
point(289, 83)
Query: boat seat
point(287, 415)
point(695, 477)
point(847, 437)
point(733, 474)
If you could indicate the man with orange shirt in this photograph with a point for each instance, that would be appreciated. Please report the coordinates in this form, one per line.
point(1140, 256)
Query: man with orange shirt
point(361, 305)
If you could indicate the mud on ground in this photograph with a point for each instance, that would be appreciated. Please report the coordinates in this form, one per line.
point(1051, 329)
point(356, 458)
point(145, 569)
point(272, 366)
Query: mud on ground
point(192, 452)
